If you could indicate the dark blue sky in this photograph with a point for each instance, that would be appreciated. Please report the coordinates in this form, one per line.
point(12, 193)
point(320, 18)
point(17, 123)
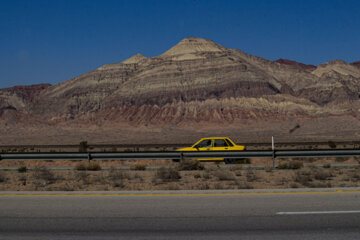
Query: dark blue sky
point(52, 41)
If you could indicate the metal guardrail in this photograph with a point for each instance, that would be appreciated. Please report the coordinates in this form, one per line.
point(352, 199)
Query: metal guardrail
point(178, 155)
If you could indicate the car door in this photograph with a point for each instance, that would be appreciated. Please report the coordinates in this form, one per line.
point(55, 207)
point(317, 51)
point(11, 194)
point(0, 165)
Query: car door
point(220, 145)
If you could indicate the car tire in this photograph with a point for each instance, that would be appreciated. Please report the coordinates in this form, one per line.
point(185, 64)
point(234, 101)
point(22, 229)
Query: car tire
point(229, 161)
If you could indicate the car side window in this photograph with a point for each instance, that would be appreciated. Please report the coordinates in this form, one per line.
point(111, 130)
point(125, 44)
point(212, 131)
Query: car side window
point(204, 144)
point(229, 143)
point(220, 143)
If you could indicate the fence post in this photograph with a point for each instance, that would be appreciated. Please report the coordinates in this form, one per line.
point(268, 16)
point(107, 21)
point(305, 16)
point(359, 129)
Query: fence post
point(89, 157)
point(273, 152)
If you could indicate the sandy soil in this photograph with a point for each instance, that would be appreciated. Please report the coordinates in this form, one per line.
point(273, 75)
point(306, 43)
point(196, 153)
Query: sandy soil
point(173, 178)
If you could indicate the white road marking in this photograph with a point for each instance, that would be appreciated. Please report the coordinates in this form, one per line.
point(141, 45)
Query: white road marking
point(317, 212)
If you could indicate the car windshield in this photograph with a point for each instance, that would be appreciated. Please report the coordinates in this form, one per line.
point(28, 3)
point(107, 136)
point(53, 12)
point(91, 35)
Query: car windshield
point(204, 144)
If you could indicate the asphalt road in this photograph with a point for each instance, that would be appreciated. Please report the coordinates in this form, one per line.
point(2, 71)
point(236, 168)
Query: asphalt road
point(238, 216)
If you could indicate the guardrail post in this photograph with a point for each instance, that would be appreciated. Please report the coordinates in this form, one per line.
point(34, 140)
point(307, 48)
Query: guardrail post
point(273, 152)
point(1, 158)
point(89, 157)
point(181, 157)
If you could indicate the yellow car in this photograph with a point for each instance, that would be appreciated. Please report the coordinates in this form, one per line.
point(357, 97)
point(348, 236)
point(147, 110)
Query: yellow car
point(214, 144)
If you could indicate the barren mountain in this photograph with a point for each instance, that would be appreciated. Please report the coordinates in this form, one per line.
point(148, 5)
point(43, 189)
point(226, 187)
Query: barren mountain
point(296, 64)
point(194, 89)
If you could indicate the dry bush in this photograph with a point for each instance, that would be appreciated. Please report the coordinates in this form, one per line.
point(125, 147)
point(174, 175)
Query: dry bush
point(224, 175)
point(83, 176)
point(320, 185)
point(117, 174)
point(303, 177)
point(332, 144)
point(207, 175)
point(139, 167)
point(268, 168)
point(236, 167)
point(197, 175)
point(94, 166)
point(66, 187)
point(243, 185)
point(321, 174)
point(189, 165)
point(341, 159)
point(22, 169)
point(42, 173)
point(251, 175)
point(2, 178)
point(173, 186)
point(80, 167)
point(238, 173)
point(294, 164)
point(22, 178)
point(167, 174)
point(294, 185)
point(327, 165)
point(243, 161)
point(354, 176)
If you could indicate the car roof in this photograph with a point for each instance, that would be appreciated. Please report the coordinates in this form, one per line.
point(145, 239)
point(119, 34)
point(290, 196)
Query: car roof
point(214, 138)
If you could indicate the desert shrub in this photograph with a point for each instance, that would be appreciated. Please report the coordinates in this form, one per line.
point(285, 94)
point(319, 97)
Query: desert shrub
point(197, 175)
point(66, 187)
point(83, 176)
point(22, 169)
point(224, 175)
point(2, 178)
point(320, 185)
point(207, 175)
point(93, 166)
point(327, 165)
point(23, 179)
point(167, 174)
point(42, 173)
point(268, 168)
point(83, 146)
point(117, 174)
point(332, 144)
point(243, 161)
point(243, 185)
point(321, 174)
point(238, 173)
point(294, 164)
point(189, 165)
point(303, 177)
point(341, 159)
point(139, 167)
point(80, 167)
point(354, 176)
point(251, 175)
point(236, 167)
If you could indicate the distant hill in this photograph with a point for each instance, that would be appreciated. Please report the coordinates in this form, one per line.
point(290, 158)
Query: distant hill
point(196, 88)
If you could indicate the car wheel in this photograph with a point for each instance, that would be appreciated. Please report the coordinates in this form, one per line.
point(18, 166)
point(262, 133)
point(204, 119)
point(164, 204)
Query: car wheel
point(229, 161)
